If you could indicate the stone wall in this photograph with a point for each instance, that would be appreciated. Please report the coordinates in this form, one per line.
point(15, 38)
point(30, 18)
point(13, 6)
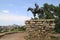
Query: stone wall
point(39, 29)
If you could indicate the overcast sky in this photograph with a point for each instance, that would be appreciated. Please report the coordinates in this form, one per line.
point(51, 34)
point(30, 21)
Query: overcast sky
point(15, 11)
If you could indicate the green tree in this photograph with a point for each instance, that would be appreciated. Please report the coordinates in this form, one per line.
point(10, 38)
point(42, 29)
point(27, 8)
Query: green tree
point(48, 9)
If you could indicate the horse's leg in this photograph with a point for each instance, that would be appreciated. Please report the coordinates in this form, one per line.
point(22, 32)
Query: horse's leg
point(34, 15)
point(38, 14)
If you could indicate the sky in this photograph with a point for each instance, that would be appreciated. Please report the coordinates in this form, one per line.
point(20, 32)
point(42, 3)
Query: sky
point(15, 11)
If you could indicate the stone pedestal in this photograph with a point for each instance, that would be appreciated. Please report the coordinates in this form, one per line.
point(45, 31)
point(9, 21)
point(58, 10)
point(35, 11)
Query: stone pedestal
point(39, 29)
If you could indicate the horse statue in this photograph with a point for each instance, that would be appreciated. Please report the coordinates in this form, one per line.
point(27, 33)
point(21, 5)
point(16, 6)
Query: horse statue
point(36, 10)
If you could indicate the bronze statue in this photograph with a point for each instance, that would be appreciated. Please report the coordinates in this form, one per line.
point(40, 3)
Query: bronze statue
point(36, 10)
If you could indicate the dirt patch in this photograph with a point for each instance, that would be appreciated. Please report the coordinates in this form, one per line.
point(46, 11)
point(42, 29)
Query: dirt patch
point(16, 36)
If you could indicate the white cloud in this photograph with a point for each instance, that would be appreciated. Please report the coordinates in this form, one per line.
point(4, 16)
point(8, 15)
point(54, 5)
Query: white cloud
point(5, 11)
point(12, 18)
point(9, 17)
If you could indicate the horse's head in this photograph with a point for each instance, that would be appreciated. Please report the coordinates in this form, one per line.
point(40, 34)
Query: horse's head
point(29, 9)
